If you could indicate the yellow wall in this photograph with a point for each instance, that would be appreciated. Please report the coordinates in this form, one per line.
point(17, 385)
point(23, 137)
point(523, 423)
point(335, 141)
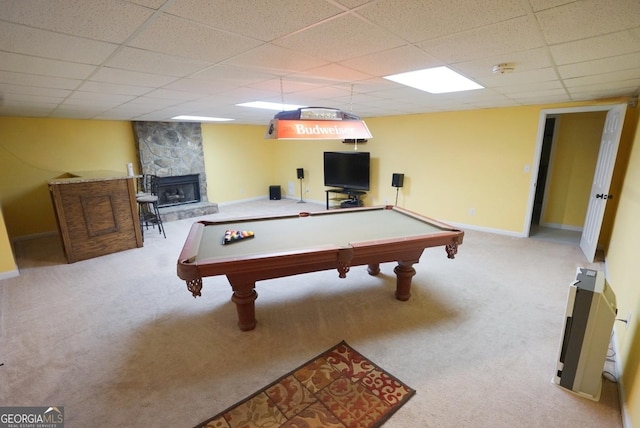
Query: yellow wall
point(471, 174)
point(7, 262)
point(573, 163)
point(36, 150)
point(622, 273)
point(238, 162)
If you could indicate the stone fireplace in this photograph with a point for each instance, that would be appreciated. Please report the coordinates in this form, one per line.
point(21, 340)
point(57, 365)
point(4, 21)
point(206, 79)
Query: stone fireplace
point(173, 152)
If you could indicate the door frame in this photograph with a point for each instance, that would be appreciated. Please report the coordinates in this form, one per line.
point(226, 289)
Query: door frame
point(538, 152)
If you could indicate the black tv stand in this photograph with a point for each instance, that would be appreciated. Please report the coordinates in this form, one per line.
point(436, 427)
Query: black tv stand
point(353, 197)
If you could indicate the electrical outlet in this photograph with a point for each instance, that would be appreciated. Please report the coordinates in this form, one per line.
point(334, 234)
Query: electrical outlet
point(472, 211)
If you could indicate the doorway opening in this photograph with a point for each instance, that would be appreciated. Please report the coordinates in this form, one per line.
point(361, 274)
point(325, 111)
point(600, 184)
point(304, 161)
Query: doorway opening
point(539, 230)
point(572, 174)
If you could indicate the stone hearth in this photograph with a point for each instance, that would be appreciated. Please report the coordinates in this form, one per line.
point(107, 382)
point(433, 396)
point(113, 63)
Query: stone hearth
point(170, 149)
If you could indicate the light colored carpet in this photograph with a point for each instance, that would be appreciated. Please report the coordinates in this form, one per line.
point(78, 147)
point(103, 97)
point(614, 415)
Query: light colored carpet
point(119, 341)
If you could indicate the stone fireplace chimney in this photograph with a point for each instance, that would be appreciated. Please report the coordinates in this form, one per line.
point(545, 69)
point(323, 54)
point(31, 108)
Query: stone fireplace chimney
point(171, 149)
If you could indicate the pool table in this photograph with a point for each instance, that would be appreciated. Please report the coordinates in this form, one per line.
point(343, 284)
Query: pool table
point(307, 242)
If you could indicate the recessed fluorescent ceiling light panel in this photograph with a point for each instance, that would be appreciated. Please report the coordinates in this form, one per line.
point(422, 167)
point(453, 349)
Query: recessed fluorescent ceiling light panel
point(438, 80)
point(270, 106)
point(202, 118)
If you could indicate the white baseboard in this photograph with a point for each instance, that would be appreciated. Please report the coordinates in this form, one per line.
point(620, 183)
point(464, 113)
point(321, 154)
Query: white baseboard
point(623, 395)
point(261, 198)
point(485, 229)
point(9, 274)
point(562, 227)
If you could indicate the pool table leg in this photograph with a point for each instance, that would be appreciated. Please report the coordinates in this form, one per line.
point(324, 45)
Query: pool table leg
point(404, 272)
point(245, 297)
point(373, 268)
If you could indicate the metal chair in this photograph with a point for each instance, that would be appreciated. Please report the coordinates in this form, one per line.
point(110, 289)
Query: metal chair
point(147, 198)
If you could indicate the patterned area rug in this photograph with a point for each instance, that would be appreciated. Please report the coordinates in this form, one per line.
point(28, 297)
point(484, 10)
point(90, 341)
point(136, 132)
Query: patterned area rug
point(339, 388)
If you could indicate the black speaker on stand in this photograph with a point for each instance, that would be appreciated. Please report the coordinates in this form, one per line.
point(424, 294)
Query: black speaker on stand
point(397, 181)
point(300, 174)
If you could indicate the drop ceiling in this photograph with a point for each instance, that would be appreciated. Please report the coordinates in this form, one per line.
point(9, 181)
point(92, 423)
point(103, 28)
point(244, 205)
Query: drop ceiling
point(151, 60)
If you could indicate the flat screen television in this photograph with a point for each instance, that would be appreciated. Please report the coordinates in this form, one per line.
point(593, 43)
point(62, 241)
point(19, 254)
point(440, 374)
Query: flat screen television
point(347, 170)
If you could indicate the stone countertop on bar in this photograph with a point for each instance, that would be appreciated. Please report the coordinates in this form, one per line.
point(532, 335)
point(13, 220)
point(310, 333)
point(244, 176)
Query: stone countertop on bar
point(87, 176)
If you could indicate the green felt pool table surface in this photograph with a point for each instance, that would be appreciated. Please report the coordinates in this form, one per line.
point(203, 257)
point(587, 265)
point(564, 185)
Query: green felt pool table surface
point(292, 233)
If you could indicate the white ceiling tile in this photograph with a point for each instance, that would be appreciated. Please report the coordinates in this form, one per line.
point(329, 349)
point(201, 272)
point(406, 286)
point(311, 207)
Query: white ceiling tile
point(32, 90)
point(43, 67)
point(588, 18)
point(78, 112)
point(110, 88)
point(532, 59)
point(285, 85)
point(156, 63)
point(233, 75)
point(605, 78)
point(112, 21)
point(261, 20)
point(520, 78)
point(538, 5)
point(13, 99)
point(275, 59)
point(22, 79)
point(151, 103)
point(542, 99)
point(153, 4)
point(609, 45)
point(351, 4)
point(340, 39)
point(336, 93)
point(204, 87)
point(532, 87)
point(417, 20)
point(392, 61)
point(175, 36)
point(173, 95)
point(133, 78)
point(48, 44)
point(603, 91)
point(332, 73)
point(89, 98)
point(600, 66)
point(502, 38)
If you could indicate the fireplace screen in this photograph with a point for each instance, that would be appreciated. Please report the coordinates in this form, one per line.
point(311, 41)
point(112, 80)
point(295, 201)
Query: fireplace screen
point(178, 190)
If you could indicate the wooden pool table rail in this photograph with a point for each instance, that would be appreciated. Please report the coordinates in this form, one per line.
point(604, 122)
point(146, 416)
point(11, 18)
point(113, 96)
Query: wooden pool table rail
point(242, 272)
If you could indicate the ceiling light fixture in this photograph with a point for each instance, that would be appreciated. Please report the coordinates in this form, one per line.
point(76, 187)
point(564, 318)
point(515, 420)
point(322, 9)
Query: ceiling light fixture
point(316, 123)
point(437, 80)
point(201, 118)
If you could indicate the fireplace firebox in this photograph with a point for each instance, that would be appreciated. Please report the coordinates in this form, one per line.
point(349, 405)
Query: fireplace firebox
point(178, 190)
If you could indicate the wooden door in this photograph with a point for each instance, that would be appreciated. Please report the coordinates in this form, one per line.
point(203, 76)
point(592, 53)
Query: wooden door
point(602, 180)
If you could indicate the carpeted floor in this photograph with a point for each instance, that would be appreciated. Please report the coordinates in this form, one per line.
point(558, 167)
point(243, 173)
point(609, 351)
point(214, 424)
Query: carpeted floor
point(119, 341)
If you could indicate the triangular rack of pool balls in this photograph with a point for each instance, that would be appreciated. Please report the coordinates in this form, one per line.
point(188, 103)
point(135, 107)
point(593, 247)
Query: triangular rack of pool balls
point(231, 236)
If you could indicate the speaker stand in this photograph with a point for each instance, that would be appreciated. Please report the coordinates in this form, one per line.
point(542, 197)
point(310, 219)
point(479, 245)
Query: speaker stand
point(301, 201)
point(397, 190)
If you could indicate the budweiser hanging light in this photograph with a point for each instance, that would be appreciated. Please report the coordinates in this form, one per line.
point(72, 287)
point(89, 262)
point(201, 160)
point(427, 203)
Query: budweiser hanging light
point(317, 123)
